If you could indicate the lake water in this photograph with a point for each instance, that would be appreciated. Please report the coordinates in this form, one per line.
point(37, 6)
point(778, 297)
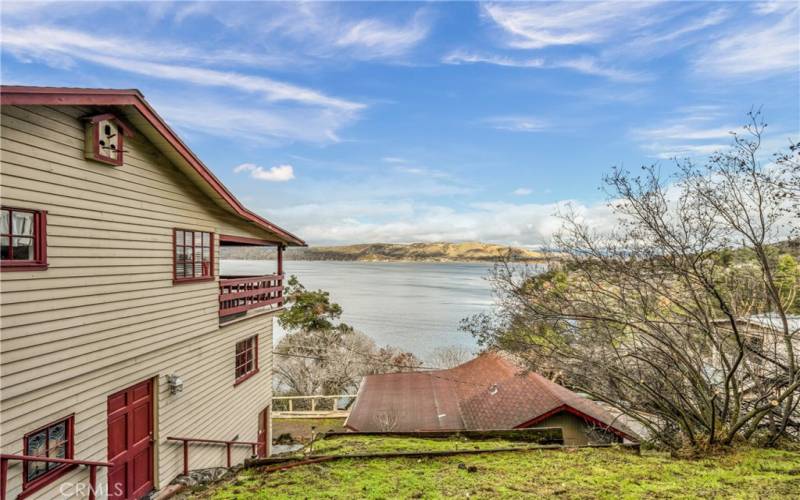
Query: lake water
point(414, 306)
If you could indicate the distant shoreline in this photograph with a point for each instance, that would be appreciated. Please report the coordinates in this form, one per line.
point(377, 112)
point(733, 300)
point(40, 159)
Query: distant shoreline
point(441, 253)
point(387, 261)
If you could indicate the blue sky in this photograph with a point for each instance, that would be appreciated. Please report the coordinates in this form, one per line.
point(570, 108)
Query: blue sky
point(398, 122)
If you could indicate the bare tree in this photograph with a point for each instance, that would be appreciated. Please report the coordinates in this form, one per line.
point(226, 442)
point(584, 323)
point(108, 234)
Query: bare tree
point(386, 419)
point(650, 317)
point(449, 356)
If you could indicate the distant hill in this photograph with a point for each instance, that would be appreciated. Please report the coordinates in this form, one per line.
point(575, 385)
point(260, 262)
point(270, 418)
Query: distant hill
point(394, 252)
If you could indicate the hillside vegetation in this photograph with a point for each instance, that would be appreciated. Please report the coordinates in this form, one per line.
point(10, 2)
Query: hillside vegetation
point(577, 473)
point(395, 252)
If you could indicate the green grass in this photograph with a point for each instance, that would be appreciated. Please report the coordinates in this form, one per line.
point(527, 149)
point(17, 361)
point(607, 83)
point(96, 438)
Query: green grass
point(584, 473)
point(342, 445)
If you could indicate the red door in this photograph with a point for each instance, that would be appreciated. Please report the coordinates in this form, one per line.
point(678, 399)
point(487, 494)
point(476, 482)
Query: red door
point(263, 431)
point(130, 441)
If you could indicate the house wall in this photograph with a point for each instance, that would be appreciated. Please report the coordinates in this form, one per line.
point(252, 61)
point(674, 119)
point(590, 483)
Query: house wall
point(106, 314)
point(575, 429)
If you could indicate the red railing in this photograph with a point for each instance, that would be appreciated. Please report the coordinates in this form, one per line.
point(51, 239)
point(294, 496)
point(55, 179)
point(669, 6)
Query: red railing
point(227, 444)
point(4, 459)
point(242, 293)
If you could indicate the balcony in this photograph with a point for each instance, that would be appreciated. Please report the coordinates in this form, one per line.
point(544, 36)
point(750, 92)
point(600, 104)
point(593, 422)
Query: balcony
point(239, 294)
point(248, 293)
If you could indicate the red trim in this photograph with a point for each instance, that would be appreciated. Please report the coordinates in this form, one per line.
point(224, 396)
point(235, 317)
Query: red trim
point(126, 130)
point(61, 96)
point(175, 279)
point(29, 487)
point(227, 238)
point(255, 361)
point(39, 262)
point(578, 413)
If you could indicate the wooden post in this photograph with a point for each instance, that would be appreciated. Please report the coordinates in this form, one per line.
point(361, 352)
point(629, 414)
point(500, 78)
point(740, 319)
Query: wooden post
point(290, 405)
point(92, 482)
point(280, 259)
point(186, 458)
point(313, 404)
point(3, 478)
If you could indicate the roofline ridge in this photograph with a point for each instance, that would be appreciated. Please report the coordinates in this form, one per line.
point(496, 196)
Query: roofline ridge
point(66, 96)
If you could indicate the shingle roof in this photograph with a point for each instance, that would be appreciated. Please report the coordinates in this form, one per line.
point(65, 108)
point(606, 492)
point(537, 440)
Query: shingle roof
point(488, 392)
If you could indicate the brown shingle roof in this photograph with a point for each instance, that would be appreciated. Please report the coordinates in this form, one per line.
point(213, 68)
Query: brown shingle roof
point(488, 392)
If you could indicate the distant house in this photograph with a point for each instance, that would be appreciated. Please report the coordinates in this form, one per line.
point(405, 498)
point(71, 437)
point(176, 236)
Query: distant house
point(488, 392)
point(117, 329)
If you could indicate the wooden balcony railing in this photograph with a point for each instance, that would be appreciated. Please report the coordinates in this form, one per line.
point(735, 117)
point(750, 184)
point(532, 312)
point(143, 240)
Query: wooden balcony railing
point(238, 294)
point(4, 459)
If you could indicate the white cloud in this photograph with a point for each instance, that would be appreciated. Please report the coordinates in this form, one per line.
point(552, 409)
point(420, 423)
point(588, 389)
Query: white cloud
point(522, 191)
point(322, 31)
point(517, 123)
point(756, 51)
point(593, 66)
point(691, 132)
point(464, 57)
point(278, 173)
point(587, 65)
point(539, 25)
point(376, 38)
point(42, 41)
point(395, 221)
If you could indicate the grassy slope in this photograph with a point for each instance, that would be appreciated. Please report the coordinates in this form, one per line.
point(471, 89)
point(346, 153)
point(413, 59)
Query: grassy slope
point(597, 473)
point(375, 444)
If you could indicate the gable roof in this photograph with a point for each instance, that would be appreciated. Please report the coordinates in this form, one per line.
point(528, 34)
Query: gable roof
point(488, 392)
point(137, 111)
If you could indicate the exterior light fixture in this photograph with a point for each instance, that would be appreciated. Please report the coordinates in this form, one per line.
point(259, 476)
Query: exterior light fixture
point(175, 384)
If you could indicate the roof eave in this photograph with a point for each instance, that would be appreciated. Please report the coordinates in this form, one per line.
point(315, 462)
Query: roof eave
point(65, 96)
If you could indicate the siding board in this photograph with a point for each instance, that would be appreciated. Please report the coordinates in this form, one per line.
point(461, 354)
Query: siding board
point(105, 314)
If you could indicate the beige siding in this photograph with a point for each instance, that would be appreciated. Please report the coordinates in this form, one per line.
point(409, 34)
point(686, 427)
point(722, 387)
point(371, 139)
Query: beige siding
point(577, 432)
point(106, 313)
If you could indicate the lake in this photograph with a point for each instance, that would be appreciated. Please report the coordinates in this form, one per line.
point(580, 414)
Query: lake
point(414, 306)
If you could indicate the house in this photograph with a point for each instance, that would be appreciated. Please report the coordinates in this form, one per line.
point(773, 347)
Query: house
point(118, 331)
point(490, 392)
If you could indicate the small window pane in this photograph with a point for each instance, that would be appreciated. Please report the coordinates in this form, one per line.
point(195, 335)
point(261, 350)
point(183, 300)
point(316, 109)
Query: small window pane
point(206, 255)
point(198, 239)
point(179, 237)
point(180, 254)
point(198, 269)
point(206, 239)
point(4, 217)
point(23, 248)
point(36, 469)
point(58, 443)
point(23, 223)
point(37, 447)
point(5, 248)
